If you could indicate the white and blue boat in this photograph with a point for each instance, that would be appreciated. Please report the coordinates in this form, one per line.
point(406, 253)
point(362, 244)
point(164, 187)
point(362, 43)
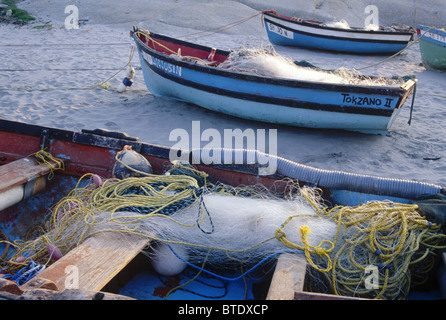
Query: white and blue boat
point(288, 31)
point(190, 72)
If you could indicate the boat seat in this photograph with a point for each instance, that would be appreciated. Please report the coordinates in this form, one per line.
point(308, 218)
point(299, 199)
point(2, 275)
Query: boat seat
point(21, 179)
point(92, 264)
point(288, 281)
point(288, 278)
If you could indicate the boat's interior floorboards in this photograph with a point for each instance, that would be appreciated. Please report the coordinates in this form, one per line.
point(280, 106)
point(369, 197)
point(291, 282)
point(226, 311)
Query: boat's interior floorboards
point(92, 264)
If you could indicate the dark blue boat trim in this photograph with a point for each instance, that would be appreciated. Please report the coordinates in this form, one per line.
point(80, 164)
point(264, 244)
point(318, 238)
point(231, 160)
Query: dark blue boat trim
point(333, 37)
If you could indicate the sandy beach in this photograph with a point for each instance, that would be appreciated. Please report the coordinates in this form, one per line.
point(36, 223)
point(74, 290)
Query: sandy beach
point(48, 75)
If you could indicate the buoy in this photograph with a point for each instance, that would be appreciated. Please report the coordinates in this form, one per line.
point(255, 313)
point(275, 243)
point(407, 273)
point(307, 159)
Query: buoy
point(134, 160)
point(97, 180)
point(54, 252)
point(127, 81)
point(20, 259)
point(165, 262)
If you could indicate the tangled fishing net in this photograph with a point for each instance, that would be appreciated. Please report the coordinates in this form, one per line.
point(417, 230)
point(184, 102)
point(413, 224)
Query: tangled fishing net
point(268, 63)
point(223, 230)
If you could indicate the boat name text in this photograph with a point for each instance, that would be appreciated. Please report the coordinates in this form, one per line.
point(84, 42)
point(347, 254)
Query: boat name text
point(279, 30)
point(435, 36)
point(160, 64)
point(366, 101)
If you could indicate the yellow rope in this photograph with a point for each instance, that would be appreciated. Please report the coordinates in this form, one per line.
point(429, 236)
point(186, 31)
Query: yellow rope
point(307, 248)
point(105, 84)
point(389, 235)
point(178, 53)
point(45, 158)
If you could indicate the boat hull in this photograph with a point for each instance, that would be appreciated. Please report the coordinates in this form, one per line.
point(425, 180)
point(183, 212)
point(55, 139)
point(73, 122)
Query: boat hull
point(290, 32)
point(363, 109)
point(432, 47)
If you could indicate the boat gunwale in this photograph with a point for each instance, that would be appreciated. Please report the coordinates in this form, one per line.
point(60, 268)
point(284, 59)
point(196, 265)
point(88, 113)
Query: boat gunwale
point(60, 138)
point(381, 90)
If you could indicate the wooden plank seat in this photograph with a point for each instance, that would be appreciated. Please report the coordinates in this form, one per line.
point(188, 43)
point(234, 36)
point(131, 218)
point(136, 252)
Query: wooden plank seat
point(289, 278)
point(92, 264)
point(41, 289)
point(21, 179)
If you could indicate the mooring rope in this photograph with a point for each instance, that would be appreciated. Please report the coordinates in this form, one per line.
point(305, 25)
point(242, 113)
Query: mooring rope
point(396, 54)
point(221, 28)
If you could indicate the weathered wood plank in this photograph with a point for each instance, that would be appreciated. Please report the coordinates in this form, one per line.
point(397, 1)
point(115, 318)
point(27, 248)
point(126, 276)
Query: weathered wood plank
point(70, 294)
point(91, 265)
point(20, 172)
point(288, 278)
point(10, 287)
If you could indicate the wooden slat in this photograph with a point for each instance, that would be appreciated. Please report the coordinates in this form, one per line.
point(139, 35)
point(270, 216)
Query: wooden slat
point(95, 262)
point(288, 278)
point(19, 172)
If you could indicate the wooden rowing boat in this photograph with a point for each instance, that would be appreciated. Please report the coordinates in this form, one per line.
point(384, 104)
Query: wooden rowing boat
point(106, 262)
point(189, 72)
point(282, 30)
point(432, 47)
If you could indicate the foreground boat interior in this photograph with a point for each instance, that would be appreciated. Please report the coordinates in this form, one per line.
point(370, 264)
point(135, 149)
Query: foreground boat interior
point(42, 167)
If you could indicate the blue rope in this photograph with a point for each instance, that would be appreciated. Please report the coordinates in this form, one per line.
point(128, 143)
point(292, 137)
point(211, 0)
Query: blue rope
point(226, 278)
point(202, 204)
point(26, 273)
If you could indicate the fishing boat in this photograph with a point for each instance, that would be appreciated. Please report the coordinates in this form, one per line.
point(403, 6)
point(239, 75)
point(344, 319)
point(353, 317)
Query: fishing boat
point(282, 30)
point(432, 47)
point(43, 166)
point(196, 74)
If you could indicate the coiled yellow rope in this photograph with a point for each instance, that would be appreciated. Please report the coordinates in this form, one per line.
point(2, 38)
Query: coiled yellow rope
point(45, 158)
point(391, 237)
